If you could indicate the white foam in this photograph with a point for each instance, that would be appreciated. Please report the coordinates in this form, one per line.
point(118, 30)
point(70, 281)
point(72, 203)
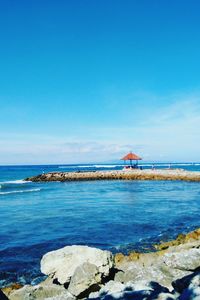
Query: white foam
point(146, 165)
point(167, 164)
point(86, 166)
point(83, 166)
point(65, 167)
point(22, 191)
point(19, 181)
point(182, 164)
point(75, 167)
point(97, 166)
point(89, 166)
point(107, 166)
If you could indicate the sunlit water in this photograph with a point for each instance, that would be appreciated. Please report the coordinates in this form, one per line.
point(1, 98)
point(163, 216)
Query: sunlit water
point(115, 215)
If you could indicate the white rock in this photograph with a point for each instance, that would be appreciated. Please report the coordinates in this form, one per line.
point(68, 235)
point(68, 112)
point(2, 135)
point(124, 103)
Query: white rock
point(84, 277)
point(193, 290)
point(40, 292)
point(184, 260)
point(64, 296)
point(141, 285)
point(135, 272)
point(63, 262)
point(112, 287)
point(167, 296)
point(93, 295)
point(195, 282)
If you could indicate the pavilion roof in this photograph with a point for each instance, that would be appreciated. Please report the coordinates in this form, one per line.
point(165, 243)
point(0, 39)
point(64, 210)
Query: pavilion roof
point(131, 156)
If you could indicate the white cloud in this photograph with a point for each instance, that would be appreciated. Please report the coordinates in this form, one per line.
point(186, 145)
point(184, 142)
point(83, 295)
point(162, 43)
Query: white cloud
point(68, 152)
point(171, 132)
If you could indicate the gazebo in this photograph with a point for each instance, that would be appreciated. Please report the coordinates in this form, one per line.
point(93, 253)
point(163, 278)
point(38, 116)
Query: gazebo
point(131, 156)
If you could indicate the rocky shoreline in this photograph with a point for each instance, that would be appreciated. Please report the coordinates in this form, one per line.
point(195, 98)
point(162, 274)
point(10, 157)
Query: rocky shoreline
point(81, 272)
point(134, 174)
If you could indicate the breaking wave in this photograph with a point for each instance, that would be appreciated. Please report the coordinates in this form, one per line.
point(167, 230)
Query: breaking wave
point(17, 186)
point(21, 191)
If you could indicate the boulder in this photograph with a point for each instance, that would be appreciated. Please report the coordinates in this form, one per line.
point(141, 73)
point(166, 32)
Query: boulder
point(11, 288)
point(63, 296)
point(46, 289)
point(164, 267)
point(62, 263)
point(112, 287)
point(110, 290)
point(85, 279)
point(138, 290)
point(186, 260)
point(157, 272)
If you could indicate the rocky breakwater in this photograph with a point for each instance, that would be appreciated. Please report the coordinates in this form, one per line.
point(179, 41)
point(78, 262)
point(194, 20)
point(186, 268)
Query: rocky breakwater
point(81, 272)
point(135, 174)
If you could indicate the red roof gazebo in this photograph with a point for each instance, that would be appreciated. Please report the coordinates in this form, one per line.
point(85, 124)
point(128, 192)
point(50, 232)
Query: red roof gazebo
point(131, 156)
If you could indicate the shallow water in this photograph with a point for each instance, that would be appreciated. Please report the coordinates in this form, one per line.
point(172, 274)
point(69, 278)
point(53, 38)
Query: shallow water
point(114, 215)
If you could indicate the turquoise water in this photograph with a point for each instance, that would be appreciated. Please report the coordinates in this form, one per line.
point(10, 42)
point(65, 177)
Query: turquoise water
point(114, 215)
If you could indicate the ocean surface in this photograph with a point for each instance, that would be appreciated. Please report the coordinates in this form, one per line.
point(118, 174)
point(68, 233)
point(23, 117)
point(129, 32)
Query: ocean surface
point(115, 215)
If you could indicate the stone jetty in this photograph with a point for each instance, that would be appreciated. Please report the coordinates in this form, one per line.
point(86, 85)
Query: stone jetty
point(81, 272)
point(135, 174)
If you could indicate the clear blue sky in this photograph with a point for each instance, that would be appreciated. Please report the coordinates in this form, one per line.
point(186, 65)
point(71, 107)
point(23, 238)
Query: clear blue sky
point(89, 80)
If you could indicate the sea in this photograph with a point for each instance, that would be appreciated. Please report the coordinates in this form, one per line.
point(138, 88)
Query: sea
point(119, 216)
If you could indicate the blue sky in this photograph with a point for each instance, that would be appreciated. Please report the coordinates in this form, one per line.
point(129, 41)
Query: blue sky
point(89, 80)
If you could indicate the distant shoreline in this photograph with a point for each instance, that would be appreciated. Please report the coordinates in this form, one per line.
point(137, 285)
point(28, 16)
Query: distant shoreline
point(134, 174)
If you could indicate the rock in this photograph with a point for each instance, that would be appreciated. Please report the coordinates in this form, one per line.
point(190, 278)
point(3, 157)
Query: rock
point(85, 280)
point(188, 286)
point(194, 287)
point(85, 272)
point(112, 287)
point(139, 290)
point(136, 272)
point(166, 296)
point(110, 290)
point(181, 239)
point(63, 296)
point(94, 295)
point(193, 291)
point(195, 281)
point(183, 283)
point(41, 291)
point(9, 289)
point(3, 296)
point(164, 267)
point(63, 262)
point(130, 273)
point(186, 260)
point(119, 257)
point(146, 259)
point(135, 174)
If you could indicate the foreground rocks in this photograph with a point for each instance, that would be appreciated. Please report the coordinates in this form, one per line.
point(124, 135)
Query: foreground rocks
point(135, 174)
point(81, 272)
point(62, 263)
point(45, 290)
